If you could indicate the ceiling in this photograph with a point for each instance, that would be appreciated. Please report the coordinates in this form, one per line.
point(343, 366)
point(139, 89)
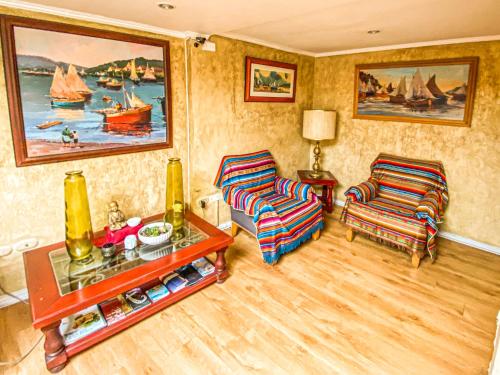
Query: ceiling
point(312, 26)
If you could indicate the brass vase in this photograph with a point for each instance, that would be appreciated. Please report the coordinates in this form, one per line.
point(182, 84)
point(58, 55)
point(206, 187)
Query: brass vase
point(79, 233)
point(174, 202)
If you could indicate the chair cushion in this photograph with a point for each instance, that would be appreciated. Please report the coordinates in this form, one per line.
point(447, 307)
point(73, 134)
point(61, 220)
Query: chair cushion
point(379, 219)
point(390, 205)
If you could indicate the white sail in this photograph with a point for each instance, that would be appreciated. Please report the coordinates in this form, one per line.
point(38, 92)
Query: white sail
point(369, 87)
point(74, 81)
point(134, 101)
point(462, 90)
point(133, 72)
point(418, 89)
point(59, 88)
point(149, 74)
point(402, 86)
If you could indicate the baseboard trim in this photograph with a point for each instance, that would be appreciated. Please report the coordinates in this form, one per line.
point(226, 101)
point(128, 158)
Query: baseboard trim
point(6, 300)
point(455, 238)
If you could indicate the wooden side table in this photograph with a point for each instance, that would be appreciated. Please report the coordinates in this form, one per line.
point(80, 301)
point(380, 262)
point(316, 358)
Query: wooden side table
point(327, 180)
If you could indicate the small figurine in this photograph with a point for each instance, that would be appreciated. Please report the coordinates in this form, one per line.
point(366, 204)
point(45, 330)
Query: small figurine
point(116, 218)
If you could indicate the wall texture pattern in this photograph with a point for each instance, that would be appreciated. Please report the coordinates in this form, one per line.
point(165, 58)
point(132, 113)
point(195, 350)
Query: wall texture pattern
point(223, 123)
point(471, 156)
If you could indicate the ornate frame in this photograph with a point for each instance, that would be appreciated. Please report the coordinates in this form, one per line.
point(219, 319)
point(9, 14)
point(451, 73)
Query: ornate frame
point(7, 24)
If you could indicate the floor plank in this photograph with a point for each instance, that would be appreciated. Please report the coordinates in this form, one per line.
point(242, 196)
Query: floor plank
point(332, 306)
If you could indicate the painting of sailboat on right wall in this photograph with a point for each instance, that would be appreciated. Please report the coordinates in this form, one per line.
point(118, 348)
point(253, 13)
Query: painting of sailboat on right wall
point(437, 92)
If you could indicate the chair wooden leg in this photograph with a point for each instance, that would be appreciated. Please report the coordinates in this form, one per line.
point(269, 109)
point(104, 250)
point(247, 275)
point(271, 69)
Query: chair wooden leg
point(234, 229)
point(316, 235)
point(349, 236)
point(415, 260)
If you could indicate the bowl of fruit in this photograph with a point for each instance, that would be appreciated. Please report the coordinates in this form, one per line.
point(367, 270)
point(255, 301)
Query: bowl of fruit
point(155, 233)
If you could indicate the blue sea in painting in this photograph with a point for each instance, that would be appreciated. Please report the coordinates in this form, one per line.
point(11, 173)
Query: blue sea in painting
point(37, 109)
point(451, 111)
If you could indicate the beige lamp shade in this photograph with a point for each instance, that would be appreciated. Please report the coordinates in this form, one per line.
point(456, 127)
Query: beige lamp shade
point(319, 124)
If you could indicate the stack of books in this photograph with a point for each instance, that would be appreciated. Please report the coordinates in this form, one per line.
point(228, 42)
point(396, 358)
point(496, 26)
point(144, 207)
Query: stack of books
point(188, 275)
point(115, 309)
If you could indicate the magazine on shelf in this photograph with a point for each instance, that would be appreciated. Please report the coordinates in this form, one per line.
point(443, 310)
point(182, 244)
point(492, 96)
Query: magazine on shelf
point(137, 299)
point(157, 292)
point(174, 282)
point(203, 266)
point(82, 324)
point(112, 310)
point(190, 274)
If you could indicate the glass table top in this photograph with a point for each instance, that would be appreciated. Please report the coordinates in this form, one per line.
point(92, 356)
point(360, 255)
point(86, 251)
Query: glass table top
point(73, 275)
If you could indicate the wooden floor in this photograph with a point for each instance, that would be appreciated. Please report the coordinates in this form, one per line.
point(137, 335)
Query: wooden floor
point(329, 307)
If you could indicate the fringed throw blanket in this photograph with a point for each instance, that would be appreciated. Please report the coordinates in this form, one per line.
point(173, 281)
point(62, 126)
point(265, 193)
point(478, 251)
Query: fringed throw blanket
point(285, 213)
point(401, 203)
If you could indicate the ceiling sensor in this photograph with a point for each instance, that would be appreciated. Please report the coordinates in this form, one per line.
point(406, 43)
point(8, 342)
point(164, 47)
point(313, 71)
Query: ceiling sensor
point(165, 6)
point(371, 32)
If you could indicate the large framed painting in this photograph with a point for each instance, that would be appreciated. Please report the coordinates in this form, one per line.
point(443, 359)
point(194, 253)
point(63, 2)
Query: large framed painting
point(269, 81)
point(76, 92)
point(432, 91)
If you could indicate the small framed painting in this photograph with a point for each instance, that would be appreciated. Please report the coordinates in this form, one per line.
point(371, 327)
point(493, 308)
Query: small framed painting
point(77, 92)
point(437, 92)
point(269, 81)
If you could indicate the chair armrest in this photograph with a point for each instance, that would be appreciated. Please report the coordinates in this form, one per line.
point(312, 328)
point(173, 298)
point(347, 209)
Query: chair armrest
point(294, 189)
point(431, 206)
point(363, 192)
point(246, 201)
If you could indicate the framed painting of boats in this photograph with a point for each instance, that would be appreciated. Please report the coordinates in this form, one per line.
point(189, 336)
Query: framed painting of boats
point(437, 92)
point(269, 81)
point(77, 92)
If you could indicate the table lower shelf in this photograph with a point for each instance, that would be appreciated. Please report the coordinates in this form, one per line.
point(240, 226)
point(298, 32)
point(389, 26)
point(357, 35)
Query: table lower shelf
point(102, 334)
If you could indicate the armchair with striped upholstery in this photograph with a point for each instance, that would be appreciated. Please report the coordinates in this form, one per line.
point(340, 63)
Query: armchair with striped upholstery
point(401, 204)
point(280, 212)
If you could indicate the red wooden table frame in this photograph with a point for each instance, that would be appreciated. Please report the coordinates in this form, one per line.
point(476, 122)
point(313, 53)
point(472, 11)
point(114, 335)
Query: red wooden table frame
point(48, 307)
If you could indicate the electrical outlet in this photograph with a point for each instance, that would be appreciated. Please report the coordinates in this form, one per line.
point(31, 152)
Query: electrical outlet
point(5, 250)
point(25, 244)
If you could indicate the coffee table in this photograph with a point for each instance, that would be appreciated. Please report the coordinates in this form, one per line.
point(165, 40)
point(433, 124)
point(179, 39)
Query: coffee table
point(59, 288)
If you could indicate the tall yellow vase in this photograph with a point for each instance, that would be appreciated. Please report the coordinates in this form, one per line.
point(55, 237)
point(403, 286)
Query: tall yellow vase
point(174, 202)
point(79, 233)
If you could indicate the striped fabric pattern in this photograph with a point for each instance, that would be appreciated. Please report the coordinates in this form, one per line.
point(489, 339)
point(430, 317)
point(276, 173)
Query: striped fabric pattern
point(363, 192)
point(409, 201)
point(286, 213)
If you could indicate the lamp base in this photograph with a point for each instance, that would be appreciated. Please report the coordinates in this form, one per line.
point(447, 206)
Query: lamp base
point(316, 172)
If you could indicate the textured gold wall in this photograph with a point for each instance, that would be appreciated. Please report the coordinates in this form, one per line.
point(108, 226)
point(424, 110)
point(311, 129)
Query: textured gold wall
point(470, 155)
point(222, 123)
point(31, 198)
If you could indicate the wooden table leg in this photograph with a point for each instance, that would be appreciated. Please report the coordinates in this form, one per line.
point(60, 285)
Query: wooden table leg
point(55, 351)
point(220, 266)
point(329, 199)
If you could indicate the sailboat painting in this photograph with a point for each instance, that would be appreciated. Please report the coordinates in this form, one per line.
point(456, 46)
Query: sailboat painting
point(102, 92)
point(434, 92)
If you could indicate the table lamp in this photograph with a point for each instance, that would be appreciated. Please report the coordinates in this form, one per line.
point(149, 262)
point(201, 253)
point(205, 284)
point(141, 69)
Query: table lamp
point(318, 125)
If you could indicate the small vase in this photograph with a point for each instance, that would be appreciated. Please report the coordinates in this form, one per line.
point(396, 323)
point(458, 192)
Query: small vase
point(174, 202)
point(79, 233)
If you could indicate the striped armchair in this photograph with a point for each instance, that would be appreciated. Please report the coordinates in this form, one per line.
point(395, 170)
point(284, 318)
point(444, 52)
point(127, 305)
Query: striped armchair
point(281, 213)
point(401, 204)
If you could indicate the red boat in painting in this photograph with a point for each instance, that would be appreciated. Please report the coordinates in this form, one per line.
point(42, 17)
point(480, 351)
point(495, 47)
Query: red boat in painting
point(134, 119)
